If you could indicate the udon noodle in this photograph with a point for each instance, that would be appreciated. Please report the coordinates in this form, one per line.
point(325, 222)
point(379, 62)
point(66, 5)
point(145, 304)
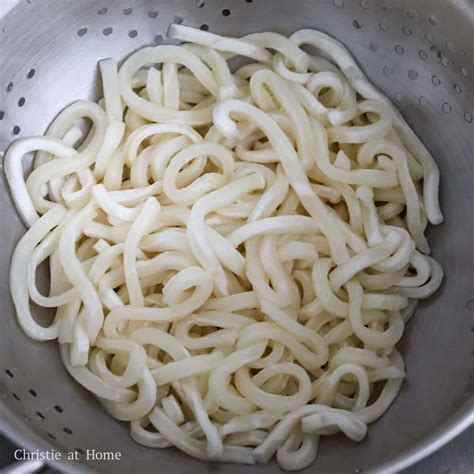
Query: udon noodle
point(233, 253)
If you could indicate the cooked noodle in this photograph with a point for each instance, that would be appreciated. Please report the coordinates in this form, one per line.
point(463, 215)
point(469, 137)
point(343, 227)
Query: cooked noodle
point(233, 255)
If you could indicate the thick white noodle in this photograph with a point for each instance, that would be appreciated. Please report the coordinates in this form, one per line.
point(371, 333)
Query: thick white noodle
point(233, 254)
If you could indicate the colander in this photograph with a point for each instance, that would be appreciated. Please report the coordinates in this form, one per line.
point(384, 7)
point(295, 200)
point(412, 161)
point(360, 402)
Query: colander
point(420, 53)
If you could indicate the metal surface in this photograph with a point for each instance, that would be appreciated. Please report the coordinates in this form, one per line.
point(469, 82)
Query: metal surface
point(419, 52)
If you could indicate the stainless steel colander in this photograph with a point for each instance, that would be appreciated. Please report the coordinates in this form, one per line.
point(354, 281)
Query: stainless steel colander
point(420, 53)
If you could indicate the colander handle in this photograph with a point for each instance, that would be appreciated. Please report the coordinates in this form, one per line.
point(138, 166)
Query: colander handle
point(24, 467)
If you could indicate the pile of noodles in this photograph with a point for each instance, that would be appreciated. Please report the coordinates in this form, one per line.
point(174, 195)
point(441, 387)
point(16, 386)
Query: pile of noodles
point(233, 254)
